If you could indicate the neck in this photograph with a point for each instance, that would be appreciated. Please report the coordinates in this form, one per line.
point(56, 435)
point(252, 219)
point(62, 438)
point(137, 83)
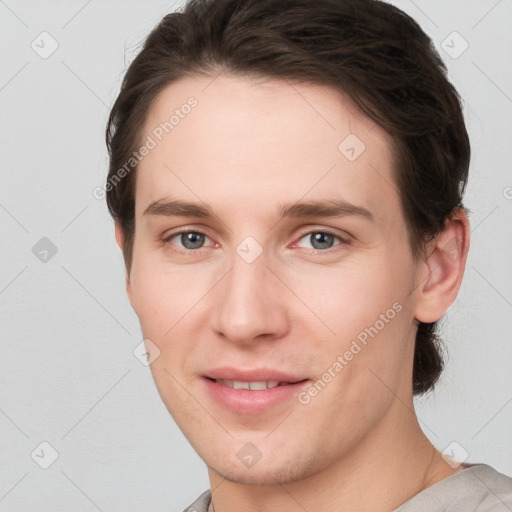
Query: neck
point(391, 465)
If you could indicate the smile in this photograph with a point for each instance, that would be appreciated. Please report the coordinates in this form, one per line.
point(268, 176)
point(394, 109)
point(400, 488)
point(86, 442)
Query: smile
point(253, 386)
point(252, 392)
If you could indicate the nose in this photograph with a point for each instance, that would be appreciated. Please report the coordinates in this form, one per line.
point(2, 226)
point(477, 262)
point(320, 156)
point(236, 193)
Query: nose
point(250, 304)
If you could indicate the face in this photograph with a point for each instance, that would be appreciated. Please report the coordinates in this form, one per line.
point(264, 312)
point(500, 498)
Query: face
point(271, 255)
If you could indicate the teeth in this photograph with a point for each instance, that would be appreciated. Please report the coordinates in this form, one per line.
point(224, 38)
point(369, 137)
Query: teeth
point(254, 386)
point(257, 385)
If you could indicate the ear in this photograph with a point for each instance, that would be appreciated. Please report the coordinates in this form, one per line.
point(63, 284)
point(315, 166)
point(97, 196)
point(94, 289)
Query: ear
point(119, 232)
point(442, 268)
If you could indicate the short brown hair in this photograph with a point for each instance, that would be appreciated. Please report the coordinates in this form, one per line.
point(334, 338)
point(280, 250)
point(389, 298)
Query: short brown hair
point(367, 49)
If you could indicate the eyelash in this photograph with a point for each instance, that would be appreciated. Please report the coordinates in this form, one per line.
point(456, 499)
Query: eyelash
point(342, 241)
point(179, 250)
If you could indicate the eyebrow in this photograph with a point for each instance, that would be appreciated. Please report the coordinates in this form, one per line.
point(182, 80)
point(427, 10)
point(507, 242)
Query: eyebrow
point(325, 208)
point(178, 208)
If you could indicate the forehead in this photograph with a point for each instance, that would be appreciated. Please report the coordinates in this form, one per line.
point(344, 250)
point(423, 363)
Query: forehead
point(239, 140)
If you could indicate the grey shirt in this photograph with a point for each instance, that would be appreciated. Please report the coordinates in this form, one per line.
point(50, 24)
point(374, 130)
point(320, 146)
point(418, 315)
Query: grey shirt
point(478, 488)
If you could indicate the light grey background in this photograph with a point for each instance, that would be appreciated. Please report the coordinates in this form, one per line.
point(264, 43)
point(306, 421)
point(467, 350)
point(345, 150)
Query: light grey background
point(68, 373)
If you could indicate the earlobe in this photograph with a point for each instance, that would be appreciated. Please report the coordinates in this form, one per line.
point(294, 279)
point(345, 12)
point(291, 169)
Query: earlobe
point(119, 232)
point(442, 269)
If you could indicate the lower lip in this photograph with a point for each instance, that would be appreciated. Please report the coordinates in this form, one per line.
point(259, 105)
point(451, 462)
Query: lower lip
point(252, 402)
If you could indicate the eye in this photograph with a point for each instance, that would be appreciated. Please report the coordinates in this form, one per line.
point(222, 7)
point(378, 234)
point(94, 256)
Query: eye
point(319, 240)
point(189, 240)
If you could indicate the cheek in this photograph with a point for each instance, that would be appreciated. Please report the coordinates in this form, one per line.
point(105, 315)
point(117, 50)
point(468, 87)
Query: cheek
point(173, 304)
point(369, 351)
point(366, 323)
point(167, 304)
point(352, 296)
point(162, 298)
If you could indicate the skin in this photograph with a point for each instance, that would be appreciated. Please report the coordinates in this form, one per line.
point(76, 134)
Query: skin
point(246, 149)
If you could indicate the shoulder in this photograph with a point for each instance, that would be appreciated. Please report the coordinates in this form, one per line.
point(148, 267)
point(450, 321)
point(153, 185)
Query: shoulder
point(201, 504)
point(478, 488)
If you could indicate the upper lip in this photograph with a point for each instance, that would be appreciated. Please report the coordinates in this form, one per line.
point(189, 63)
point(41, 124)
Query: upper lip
point(254, 375)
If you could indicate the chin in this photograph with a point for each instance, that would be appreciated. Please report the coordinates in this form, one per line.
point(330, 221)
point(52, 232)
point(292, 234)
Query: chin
point(257, 477)
point(270, 472)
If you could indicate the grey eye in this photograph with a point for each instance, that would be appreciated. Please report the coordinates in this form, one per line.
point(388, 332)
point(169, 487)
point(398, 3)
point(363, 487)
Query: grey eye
point(192, 240)
point(321, 240)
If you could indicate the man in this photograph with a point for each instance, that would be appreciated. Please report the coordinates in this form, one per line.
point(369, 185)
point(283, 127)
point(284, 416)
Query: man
point(286, 179)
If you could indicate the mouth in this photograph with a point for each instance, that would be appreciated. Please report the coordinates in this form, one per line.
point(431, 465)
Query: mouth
point(252, 386)
point(252, 392)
